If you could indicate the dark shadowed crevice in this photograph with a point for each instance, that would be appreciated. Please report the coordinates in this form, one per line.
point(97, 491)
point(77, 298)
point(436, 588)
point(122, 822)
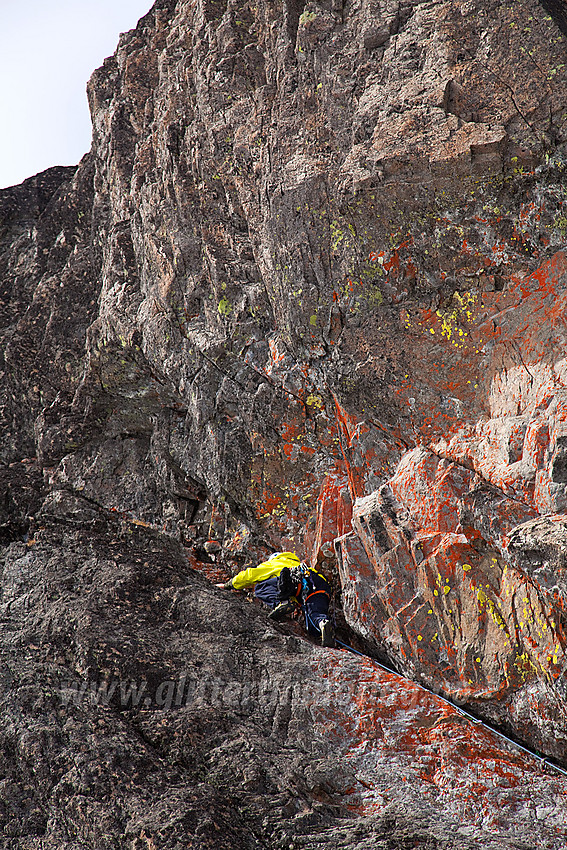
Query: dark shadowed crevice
point(292, 13)
point(558, 11)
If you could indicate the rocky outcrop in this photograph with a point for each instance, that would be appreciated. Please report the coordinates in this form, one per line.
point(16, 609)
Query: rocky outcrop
point(143, 706)
point(452, 590)
point(306, 291)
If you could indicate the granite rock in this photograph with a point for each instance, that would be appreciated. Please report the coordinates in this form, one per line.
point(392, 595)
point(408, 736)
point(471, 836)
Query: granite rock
point(307, 290)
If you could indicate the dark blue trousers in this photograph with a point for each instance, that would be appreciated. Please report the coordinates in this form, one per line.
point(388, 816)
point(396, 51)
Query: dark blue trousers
point(267, 591)
point(315, 604)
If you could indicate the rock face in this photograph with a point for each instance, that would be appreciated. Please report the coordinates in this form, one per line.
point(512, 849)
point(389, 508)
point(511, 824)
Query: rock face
point(463, 583)
point(306, 291)
point(141, 707)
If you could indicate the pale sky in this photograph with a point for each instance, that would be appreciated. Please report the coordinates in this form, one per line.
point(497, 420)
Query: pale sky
point(48, 51)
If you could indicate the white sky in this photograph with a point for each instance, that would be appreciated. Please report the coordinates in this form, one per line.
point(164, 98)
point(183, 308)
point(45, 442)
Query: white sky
point(48, 51)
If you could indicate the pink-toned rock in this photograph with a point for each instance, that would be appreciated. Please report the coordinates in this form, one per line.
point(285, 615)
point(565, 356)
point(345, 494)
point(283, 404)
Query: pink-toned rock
point(334, 513)
point(443, 763)
point(429, 487)
point(451, 609)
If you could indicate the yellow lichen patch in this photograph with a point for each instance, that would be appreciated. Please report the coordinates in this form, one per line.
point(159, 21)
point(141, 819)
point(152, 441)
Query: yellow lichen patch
point(491, 607)
point(524, 665)
point(451, 320)
point(314, 400)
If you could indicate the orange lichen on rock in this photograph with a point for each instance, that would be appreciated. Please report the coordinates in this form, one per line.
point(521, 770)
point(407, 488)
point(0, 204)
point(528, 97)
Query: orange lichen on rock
point(448, 570)
point(441, 758)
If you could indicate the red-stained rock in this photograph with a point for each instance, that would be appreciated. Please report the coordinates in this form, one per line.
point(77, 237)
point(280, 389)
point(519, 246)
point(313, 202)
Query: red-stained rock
point(454, 594)
point(405, 745)
point(361, 604)
point(435, 590)
point(446, 496)
point(460, 582)
point(334, 513)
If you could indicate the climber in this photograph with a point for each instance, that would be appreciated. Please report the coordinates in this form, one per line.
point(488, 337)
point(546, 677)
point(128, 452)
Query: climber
point(264, 578)
point(312, 590)
point(282, 582)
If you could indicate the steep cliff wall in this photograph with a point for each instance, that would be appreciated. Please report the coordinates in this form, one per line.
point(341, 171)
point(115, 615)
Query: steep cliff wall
point(307, 287)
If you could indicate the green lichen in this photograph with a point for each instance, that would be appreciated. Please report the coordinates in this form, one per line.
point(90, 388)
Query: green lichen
point(337, 235)
point(560, 222)
point(306, 17)
point(224, 306)
point(374, 297)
